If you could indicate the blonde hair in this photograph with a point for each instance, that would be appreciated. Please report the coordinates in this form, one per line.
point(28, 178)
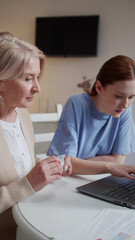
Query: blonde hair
point(15, 54)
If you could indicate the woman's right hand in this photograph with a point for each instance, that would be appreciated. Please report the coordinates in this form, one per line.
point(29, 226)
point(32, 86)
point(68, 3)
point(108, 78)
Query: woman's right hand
point(44, 172)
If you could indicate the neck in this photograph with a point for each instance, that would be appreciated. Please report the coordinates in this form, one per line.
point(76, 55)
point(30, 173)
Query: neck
point(8, 115)
point(97, 102)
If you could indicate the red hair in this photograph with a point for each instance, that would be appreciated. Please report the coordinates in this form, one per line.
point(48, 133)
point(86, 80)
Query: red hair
point(118, 68)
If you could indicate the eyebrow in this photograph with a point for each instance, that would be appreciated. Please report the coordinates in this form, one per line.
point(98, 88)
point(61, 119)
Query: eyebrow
point(124, 93)
point(31, 74)
point(28, 73)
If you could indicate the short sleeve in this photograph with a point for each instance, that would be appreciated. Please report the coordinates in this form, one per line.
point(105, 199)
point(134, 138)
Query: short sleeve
point(125, 138)
point(65, 140)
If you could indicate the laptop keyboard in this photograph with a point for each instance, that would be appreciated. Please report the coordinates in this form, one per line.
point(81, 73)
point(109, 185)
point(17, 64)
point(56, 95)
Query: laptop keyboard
point(123, 191)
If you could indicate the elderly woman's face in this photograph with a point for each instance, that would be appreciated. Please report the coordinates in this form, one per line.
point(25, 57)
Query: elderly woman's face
point(21, 91)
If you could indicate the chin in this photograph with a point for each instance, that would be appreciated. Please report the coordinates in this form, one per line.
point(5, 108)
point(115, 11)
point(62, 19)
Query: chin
point(116, 115)
point(24, 106)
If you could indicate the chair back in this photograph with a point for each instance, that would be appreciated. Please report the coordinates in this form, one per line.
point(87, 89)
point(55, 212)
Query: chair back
point(45, 125)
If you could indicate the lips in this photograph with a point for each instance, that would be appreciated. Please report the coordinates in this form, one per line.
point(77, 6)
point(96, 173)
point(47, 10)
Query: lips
point(119, 111)
point(29, 98)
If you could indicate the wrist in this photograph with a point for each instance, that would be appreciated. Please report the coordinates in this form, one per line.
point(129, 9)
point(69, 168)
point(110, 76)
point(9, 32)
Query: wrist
point(109, 166)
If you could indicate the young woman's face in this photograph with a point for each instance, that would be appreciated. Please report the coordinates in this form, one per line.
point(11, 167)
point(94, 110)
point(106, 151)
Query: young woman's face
point(21, 91)
point(116, 98)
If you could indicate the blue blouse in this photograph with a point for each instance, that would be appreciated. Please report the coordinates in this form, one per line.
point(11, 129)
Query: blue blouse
point(84, 132)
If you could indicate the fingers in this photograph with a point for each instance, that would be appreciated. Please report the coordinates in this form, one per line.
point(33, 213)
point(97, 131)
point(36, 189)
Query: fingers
point(67, 167)
point(52, 166)
point(52, 159)
point(130, 177)
point(65, 163)
point(123, 170)
point(130, 170)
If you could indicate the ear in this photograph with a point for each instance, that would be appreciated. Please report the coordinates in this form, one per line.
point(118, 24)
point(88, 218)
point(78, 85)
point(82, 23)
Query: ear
point(99, 87)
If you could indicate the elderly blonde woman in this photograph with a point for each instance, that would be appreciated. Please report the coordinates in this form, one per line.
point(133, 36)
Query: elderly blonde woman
point(21, 65)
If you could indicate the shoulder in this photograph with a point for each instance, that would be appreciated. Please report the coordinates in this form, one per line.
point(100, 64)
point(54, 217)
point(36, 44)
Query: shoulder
point(80, 97)
point(78, 100)
point(75, 107)
point(24, 115)
point(23, 112)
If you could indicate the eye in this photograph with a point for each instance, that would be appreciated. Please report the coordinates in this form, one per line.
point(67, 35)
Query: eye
point(28, 79)
point(118, 96)
point(131, 97)
point(38, 78)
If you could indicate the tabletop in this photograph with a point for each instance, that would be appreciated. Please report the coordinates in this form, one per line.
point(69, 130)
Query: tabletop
point(58, 208)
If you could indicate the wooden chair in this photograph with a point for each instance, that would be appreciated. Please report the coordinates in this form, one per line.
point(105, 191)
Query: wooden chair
point(44, 125)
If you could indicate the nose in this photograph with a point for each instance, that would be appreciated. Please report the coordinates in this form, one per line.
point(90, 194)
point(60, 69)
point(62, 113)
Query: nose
point(125, 103)
point(36, 86)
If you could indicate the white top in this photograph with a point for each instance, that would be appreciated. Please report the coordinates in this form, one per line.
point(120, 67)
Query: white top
point(17, 146)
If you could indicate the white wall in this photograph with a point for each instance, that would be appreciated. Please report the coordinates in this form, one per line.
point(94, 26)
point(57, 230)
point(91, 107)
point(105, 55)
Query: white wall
point(116, 36)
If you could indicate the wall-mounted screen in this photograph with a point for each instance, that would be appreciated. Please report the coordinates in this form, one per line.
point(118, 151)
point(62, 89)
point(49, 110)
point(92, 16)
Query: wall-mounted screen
point(68, 36)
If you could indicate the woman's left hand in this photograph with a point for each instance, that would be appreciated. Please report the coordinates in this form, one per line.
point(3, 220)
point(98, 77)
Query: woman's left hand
point(67, 167)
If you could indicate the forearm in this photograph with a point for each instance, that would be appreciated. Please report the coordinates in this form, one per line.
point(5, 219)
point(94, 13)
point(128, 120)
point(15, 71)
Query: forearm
point(80, 166)
point(14, 192)
point(115, 158)
point(95, 165)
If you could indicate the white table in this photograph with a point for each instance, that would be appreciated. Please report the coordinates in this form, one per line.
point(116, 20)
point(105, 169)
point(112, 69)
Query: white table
point(57, 208)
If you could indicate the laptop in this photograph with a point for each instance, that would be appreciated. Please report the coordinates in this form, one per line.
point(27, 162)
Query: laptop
point(117, 190)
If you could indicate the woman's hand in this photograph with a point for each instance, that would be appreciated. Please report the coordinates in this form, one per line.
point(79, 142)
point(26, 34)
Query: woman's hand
point(67, 167)
point(121, 170)
point(44, 172)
